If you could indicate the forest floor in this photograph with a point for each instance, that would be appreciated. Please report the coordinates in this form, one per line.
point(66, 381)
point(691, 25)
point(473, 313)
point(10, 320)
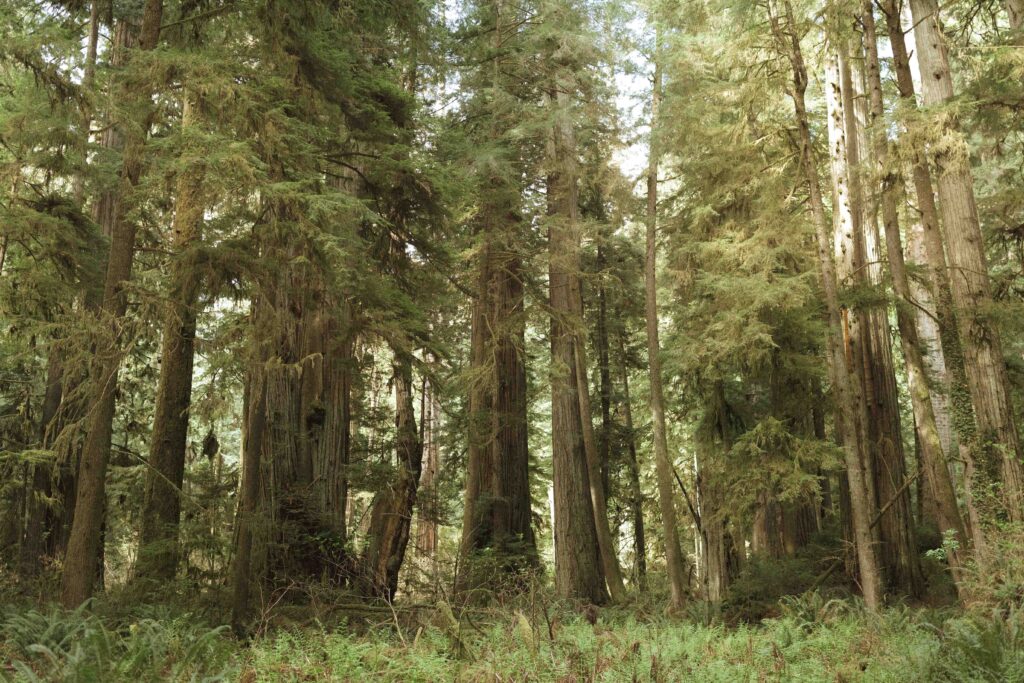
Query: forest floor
point(811, 638)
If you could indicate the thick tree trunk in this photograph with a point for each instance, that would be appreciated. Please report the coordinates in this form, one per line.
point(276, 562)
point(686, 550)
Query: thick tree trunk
point(675, 564)
point(933, 459)
point(84, 541)
point(497, 511)
point(161, 507)
point(840, 362)
point(996, 462)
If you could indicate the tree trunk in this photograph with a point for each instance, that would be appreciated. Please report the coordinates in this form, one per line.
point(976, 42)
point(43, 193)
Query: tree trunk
point(579, 562)
point(84, 541)
point(604, 377)
point(161, 507)
point(839, 362)
point(885, 434)
point(933, 459)
point(248, 496)
point(960, 400)
point(636, 496)
point(1015, 13)
point(391, 515)
point(999, 452)
point(675, 563)
point(497, 511)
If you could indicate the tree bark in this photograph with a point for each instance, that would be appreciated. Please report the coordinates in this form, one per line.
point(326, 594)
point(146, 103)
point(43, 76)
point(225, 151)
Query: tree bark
point(996, 462)
point(636, 496)
point(84, 541)
point(161, 507)
point(933, 458)
point(579, 558)
point(839, 362)
point(675, 564)
point(898, 549)
point(391, 515)
point(248, 496)
point(960, 400)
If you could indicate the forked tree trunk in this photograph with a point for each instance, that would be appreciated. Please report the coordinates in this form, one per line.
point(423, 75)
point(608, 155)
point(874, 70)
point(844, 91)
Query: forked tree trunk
point(84, 541)
point(675, 564)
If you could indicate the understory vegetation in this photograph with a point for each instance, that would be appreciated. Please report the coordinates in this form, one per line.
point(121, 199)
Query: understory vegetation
point(812, 638)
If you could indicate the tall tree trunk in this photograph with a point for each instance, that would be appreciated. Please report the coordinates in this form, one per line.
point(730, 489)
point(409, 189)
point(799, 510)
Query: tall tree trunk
point(430, 416)
point(929, 441)
point(511, 518)
point(37, 512)
point(391, 515)
point(636, 496)
point(604, 376)
point(84, 541)
point(606, 543)
point(248, 496)
point(675, 564)
point(161, 507)
point(960, 399)
point(579, 565)
point(497, 511)
point(999, 452)
point(839, 362)
point(898, 549)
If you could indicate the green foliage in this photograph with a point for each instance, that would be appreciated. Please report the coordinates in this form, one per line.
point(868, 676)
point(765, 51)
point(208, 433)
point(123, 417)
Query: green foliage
point(78, 646)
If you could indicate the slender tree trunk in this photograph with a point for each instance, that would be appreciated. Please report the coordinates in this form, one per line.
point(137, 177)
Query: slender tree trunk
point(636, 496)
point(839, 362)
point(161, 507)
point(933, 459)
point(248, 497)
point(430, 415)
point(84, 541)
point(675, 564)
point(604, 377)
point(898, 549)
point(391, 515)
point(579, 566)
point(33, 544)
point(998, 457)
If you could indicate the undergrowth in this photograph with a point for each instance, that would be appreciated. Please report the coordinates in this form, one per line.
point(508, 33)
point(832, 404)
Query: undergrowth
point(814, 638)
